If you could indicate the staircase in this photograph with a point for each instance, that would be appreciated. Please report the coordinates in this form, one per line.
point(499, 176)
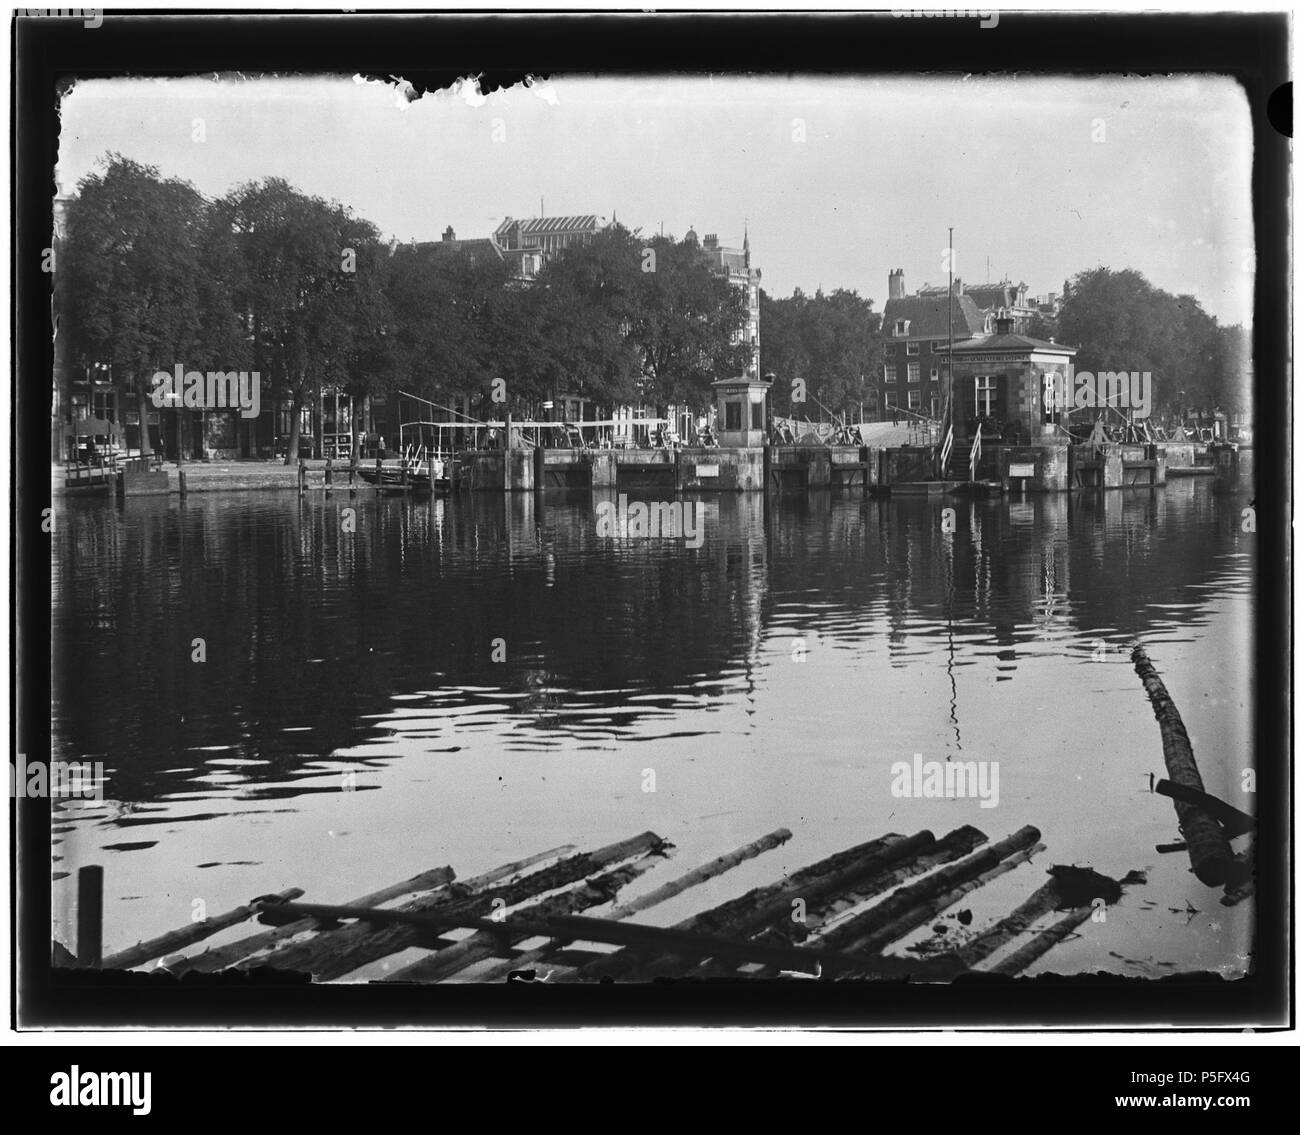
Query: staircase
point(959, 459)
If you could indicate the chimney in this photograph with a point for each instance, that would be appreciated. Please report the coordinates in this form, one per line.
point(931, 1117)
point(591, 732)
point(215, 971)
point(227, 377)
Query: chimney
point(958, 287)
point(1004, 324)
point(449, 233)
point(710, 240)
point(896, 289)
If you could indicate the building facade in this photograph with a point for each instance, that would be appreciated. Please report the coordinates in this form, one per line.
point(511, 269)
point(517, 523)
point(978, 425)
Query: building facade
point(733, 265)
point(915, 330)
point(999, 381)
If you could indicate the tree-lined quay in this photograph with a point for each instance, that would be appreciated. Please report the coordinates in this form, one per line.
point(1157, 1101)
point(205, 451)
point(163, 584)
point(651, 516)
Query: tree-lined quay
point(152, 276)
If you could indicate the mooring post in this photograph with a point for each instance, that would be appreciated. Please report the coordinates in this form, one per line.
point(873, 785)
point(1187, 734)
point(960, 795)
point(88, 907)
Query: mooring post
point(302, 475)
point(90, 917)
point(329, 473)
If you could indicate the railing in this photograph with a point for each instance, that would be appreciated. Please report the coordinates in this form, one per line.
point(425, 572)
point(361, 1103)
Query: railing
point(975, 450)
point(945, 453)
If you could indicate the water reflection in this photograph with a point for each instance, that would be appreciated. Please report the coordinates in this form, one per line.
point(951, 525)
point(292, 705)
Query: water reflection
point(498, 615)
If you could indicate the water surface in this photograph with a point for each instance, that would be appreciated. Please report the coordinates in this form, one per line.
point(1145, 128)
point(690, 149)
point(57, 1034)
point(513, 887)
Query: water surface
point(474, 680)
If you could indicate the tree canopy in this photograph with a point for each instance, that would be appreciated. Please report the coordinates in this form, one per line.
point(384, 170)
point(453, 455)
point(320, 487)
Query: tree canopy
point(1120, 321)
point(830, 342)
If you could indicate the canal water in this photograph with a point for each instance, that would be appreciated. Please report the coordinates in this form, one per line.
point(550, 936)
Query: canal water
point(284, 693)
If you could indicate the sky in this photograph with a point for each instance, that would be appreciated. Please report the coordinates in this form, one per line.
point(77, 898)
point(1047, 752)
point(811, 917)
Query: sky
point(839, 179)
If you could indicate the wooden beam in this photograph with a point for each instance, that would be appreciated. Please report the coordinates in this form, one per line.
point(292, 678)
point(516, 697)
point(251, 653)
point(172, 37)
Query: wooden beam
point(908, 921)
point(1233, 821)
point(218, 959)
point(752, 911)
point(173, 940)
point(919, 895)
point(669, 890)
point(1043, 901)
point(90, 917)
point(1207, 846)
point(1041, 942)
point(540, 919)
point(333, 954)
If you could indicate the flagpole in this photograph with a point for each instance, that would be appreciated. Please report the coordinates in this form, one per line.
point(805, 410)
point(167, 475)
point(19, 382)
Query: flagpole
point(952, 416)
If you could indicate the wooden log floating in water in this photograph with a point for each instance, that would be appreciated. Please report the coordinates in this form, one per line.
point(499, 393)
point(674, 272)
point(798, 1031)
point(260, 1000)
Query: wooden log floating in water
point(1042, 902)
point(336, 953)
point(512, 904)
point(1041, 942)
point(527, 923)
point(174, 940)
point(909, 920)
point(1207, 846)
point(919, 895)
point(703, 873)
point(1233, 821)
point(763, 905)
point(218, 959)
point(957, 843)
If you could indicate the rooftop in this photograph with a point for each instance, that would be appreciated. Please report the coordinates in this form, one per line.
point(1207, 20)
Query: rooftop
point(534, 226)
point(928, 316)
point(1012, 341)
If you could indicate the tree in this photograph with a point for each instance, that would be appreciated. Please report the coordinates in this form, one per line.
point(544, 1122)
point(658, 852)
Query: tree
point(830, 342)
point(299, 282)
point(1120, 321)
point(626, 318)
point(685, 322)
point(136, 282)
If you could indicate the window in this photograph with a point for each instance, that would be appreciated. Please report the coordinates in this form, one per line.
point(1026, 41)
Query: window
point(914, 348)
point(913, 372)
point(901, 325)
point(913, 399)
point(731, 415)
point(985, 394)
point(756, 415)
point(891, 372)
point(891, 397)
point(934, 374)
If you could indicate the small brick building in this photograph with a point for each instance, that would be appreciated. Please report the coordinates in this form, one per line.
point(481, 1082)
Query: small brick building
point(998, 383)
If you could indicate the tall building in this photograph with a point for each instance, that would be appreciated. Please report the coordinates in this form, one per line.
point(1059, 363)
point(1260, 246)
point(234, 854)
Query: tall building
point(734, 265)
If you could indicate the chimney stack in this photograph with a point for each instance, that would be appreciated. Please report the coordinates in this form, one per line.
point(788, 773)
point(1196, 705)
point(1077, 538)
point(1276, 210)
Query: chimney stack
point(1004, 323)
point(449, 233)
point(896, 288)
point(710, 240)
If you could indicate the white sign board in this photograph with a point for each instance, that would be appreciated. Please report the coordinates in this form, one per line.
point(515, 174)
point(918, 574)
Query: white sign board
point(1022, 470)
point(706, 470)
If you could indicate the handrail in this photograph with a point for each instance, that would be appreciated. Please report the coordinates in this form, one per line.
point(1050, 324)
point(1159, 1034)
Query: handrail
point(946, 452)
point(975, 449)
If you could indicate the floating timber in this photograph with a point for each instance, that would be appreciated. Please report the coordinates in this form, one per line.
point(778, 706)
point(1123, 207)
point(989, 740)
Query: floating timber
point(845, 916)
point(1206, 824)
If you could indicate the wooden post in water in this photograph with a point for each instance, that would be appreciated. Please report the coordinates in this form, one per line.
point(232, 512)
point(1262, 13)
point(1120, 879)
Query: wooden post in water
point(302, 475)
point(1207, 846)
point(90, 917)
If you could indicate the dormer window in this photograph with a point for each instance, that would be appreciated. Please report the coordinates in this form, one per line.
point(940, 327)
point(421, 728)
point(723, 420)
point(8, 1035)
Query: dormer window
point(902, 326)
